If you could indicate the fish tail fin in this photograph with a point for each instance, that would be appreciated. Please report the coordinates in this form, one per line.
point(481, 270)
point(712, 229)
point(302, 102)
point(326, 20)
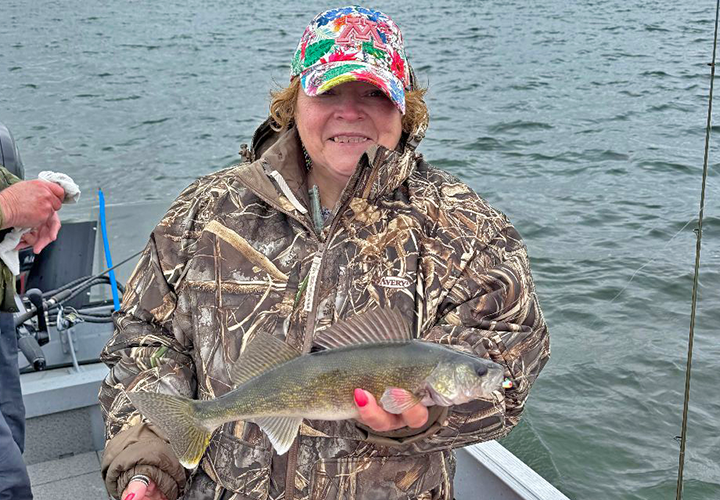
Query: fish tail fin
point(178, 418)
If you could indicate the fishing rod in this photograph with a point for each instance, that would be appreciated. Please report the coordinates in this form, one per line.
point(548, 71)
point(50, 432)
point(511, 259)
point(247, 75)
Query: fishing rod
point(69, 291)
point(696, 280)
point(53, 303)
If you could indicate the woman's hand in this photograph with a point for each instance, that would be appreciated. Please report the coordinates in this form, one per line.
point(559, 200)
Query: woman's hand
point(136, 490)
point(372, 415)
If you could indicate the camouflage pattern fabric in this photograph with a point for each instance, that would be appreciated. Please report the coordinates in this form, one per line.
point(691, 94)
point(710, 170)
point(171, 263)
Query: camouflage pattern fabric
point(235, 256)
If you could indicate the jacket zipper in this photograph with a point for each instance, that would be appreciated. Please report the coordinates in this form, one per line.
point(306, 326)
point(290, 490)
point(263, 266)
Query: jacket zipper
point(311, 293)
point(293, 452)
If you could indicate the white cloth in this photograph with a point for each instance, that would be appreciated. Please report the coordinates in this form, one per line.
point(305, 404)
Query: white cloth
point(8, 254)
point(72, 191)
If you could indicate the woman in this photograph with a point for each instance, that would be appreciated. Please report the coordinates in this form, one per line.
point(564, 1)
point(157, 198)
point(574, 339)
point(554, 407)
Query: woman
point(333, 214)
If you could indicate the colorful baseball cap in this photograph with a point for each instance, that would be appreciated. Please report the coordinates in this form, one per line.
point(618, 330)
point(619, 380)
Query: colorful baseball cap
point(352, 44)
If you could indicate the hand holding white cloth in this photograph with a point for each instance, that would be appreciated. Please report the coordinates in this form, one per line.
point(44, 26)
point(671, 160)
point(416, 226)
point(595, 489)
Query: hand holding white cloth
point(8, 246)
point(72, 191)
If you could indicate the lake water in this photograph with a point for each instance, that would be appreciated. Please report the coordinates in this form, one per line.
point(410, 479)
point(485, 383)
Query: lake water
point(582, 120)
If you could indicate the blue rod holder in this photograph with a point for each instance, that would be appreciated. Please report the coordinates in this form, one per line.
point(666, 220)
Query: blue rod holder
point(106, 244)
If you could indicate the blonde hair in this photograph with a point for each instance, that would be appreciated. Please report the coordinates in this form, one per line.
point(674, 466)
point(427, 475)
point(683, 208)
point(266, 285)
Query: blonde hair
point(283, 101)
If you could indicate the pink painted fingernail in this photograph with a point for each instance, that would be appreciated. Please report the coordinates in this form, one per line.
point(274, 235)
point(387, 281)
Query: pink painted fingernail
point(130, 496)
point(361, 398)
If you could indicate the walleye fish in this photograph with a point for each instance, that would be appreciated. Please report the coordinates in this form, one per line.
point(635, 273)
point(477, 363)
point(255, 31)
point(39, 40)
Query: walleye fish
point(276, 387)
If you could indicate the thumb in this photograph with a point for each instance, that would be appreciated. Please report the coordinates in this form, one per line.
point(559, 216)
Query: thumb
point(57, 190)
point(134, 491)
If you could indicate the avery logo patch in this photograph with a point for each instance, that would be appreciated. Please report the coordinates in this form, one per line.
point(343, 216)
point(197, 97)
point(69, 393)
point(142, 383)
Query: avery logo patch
point(394, 282)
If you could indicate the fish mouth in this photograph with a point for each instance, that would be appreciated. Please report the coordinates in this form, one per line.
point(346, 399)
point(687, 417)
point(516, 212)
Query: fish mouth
point(492, 381)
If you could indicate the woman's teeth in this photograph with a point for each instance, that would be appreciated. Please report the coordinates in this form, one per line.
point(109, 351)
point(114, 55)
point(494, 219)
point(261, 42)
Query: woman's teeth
point(345, 138)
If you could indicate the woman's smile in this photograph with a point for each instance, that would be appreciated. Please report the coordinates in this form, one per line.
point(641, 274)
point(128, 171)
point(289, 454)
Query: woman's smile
point(349, 139)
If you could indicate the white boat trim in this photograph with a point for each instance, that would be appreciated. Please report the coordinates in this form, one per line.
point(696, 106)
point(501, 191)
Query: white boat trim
point(489, 471)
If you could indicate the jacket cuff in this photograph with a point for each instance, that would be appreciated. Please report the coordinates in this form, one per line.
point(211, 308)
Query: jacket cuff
point(164, 482)
point(437, 416)
point(140, 450)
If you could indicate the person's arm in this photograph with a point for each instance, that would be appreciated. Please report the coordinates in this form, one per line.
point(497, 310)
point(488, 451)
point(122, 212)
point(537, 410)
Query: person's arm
point(26, 204)
point(7, 179)
point(143, 354)
point(149, 351)
point(491, 311)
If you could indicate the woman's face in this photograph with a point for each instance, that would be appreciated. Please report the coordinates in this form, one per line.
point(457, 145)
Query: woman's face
point(338, 126)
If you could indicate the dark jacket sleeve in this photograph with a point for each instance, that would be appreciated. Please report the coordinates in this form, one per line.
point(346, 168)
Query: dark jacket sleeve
point(491, 311)
point(149, 351)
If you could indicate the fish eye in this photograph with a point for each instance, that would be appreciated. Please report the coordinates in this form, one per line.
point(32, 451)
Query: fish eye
point(481, 370)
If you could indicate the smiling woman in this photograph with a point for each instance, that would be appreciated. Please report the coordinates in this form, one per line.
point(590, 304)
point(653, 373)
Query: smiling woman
point(333, 217)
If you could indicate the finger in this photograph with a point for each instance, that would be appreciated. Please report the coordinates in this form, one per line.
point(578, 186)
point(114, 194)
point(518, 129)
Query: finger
point(40, 244)
point(47, 233)
point(57, 190)
point(43, 238)
point(54, 226)
point(415, 416)
point(56, 202)
point(154, 493)
point(57, 194)
point(372, 415)
point(27, 240)
point(134, 491)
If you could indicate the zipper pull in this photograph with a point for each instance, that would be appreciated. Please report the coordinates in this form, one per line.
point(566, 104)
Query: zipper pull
point(312, 280)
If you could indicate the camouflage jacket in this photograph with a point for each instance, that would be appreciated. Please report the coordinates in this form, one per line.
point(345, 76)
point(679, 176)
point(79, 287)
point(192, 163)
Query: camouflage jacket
point(237, 254)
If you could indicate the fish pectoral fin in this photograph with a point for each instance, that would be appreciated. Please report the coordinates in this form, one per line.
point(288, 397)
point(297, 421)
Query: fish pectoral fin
point(264, 352)
point(396, 400)
point(280, 430)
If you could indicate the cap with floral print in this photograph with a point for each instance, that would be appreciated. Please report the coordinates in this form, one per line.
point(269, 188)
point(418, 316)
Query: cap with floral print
point(352, 44)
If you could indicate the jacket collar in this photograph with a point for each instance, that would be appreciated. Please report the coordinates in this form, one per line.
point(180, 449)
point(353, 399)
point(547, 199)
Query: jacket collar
point(380, 170)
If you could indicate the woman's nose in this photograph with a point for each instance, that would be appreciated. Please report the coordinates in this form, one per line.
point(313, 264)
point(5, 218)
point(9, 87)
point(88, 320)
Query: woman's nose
point(350, 108)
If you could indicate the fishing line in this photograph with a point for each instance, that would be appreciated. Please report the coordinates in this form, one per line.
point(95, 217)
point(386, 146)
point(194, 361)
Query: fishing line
point(651, 260)
point(637, 271)
point(698, 245)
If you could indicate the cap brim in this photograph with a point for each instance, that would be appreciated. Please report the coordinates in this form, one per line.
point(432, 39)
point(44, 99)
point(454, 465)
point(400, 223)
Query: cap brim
point(321, 78)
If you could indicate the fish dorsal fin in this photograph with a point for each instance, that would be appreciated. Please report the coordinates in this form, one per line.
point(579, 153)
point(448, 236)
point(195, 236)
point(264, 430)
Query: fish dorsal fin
point(378, 325)
point(263, 353)
point(280, 430)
